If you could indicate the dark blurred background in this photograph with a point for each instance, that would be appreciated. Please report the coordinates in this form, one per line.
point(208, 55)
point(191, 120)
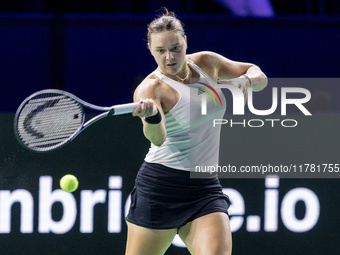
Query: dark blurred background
point(287, 7)
point(97, 49)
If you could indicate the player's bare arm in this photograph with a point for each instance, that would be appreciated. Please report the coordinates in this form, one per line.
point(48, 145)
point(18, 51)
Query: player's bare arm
point(148, 93)
point(222, 68)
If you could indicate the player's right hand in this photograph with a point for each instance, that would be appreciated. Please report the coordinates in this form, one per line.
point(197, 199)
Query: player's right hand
point(146, 109)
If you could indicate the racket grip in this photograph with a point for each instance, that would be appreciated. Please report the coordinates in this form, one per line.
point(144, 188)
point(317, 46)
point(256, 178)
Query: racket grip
point(123, 108)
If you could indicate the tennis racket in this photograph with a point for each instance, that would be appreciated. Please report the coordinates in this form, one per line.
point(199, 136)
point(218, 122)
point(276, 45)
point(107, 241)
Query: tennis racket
point(49, 119)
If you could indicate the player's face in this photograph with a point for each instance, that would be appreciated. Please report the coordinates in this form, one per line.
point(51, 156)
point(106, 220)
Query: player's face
point(169, 50)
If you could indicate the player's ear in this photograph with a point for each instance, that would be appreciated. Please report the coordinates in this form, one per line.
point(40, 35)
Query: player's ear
point(149, 47)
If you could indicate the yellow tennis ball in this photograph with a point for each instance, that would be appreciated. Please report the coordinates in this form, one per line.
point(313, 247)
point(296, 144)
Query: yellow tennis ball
point(69, 183)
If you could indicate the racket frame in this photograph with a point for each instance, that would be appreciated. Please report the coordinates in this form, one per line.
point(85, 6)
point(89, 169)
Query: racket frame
point(107, 111)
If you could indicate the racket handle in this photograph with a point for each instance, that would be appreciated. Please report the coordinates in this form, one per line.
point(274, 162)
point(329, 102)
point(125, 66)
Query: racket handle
point(123, 108)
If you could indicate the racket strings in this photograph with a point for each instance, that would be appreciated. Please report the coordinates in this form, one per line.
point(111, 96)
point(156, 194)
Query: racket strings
point(49, 121)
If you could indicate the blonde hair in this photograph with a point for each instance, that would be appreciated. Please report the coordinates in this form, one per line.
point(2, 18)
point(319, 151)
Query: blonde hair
point(167, 21)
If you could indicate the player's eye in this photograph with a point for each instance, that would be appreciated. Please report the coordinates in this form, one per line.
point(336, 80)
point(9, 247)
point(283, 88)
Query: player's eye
point(176, 48)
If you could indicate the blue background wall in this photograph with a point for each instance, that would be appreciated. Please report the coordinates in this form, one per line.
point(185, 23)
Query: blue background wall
point(102, 57)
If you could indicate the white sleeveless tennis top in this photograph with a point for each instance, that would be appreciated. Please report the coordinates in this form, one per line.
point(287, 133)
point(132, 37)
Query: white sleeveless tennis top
point(191, 138)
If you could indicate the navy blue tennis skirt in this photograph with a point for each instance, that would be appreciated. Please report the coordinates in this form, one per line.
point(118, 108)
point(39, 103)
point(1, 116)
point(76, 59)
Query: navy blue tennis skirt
point(166, 198)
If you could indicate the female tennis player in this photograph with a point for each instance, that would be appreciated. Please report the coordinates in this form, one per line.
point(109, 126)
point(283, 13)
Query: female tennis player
point(165, 200)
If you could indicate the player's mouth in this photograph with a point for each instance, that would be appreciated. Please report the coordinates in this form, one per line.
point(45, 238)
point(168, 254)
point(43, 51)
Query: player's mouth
point(171, 65)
